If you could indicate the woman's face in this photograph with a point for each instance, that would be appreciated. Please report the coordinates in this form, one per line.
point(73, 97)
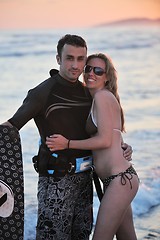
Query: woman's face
point(95, 76)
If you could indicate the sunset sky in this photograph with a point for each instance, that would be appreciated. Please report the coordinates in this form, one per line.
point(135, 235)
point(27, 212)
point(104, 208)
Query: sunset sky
point(71, 13)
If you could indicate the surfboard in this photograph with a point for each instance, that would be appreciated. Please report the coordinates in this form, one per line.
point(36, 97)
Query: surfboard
point(11, 185)
point(6, 200)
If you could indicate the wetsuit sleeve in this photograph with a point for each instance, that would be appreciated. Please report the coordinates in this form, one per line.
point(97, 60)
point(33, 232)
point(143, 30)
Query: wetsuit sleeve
point(32, 105)
point(28, 110)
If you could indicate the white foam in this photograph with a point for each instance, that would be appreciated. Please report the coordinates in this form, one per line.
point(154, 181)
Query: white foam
point(147, 197)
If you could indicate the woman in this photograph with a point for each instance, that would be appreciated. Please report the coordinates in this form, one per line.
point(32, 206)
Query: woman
point(105, 124)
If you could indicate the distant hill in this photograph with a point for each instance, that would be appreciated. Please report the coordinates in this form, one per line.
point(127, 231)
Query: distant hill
point(132, 21)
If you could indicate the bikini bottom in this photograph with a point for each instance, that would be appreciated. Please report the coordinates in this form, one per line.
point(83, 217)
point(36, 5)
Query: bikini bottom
point(126, 175)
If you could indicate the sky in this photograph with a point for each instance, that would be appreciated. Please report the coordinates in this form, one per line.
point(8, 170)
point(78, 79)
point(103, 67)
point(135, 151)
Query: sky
point(36, 14)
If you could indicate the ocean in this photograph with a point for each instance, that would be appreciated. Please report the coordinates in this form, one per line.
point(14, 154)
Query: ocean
point(26, 56)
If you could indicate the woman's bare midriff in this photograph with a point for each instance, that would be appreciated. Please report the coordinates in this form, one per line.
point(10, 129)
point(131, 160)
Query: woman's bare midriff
point(110, 161)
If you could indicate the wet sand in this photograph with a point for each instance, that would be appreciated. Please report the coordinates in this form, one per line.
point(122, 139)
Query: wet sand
point(148, 225)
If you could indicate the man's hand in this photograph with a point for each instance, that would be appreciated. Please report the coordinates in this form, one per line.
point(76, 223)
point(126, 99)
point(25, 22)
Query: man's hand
point(127, 151)
point(7, 124)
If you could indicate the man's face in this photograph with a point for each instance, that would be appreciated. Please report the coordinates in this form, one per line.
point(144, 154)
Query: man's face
point(72, 62)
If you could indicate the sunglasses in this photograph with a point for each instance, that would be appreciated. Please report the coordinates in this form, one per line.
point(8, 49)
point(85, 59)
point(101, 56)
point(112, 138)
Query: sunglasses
point(97, 70)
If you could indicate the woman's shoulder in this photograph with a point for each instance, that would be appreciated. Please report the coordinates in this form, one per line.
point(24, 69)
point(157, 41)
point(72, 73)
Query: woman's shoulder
point(104, 94)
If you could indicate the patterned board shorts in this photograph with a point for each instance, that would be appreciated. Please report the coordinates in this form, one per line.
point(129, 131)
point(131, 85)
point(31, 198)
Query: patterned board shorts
point(65, 207)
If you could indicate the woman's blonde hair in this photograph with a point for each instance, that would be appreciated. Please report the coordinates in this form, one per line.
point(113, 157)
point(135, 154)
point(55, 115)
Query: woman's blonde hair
point(111, 83)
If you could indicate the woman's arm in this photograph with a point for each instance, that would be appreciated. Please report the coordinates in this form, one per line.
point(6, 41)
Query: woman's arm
point(59, 142)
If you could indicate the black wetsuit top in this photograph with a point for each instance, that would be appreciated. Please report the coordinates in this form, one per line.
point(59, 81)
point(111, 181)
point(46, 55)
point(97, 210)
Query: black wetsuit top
point(91, 126)
point(57, 107)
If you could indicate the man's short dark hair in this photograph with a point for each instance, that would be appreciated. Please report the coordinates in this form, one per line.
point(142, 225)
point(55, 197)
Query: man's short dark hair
point(69, 39)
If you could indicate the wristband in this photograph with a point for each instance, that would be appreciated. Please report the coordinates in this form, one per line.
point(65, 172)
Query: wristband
point(68, 144)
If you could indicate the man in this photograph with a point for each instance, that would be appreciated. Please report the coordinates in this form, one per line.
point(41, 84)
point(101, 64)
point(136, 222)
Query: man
point(61, 105)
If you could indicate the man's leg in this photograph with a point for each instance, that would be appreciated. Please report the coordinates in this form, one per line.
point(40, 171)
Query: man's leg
point(64, 205)
point(83, 217)
point(55, 208)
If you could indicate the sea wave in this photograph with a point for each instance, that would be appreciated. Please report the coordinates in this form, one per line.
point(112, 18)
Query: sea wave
point(147, 197)
point(37, 43)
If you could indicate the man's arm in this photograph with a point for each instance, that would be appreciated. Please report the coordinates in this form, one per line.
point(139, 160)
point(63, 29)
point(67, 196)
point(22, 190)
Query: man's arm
point(127, 151)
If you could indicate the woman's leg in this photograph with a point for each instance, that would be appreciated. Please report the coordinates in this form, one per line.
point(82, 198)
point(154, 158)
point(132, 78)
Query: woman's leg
point(116, 200)
point(126, 229)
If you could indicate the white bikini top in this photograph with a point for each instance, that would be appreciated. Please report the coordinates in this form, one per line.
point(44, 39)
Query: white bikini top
point(93, 119)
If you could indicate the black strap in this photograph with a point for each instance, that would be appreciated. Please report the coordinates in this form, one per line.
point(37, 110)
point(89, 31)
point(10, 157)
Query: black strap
point(98, 186)
point(3, 199)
